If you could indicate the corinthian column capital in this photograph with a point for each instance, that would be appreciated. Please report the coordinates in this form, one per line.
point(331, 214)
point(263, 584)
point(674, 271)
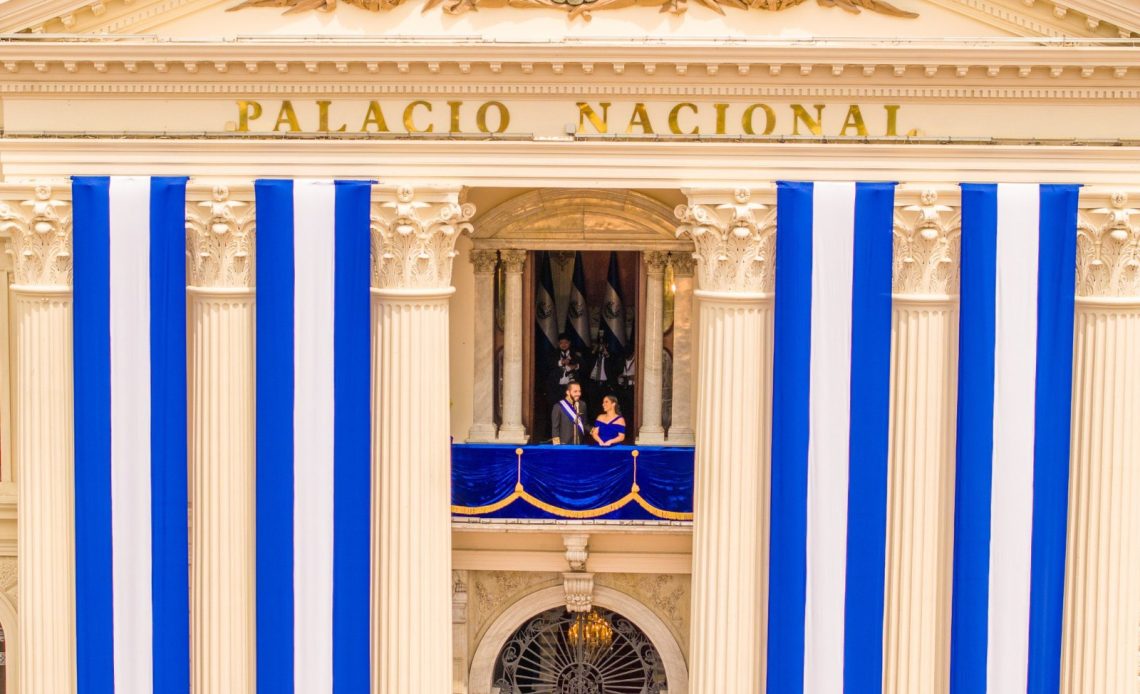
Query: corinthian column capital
point(40, 231)
point(1108, 250)
point(414, 235)
point(928, 246)
point(734, 238)
point(484, 261)
point(219, 240)
point(514, 260)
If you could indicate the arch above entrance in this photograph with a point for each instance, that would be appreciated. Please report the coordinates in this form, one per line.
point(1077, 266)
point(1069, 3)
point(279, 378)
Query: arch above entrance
point(580, 219)
point(506, 624)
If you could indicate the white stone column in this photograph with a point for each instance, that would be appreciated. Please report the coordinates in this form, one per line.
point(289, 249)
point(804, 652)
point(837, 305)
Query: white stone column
point(483, 373)
point(220, 307)
point(650, 432)
point(681, 426)
point(734, 391)
point(512, 430)
point(413, 248)
point(1102, 579)
point(44, 450)
point(920, 515)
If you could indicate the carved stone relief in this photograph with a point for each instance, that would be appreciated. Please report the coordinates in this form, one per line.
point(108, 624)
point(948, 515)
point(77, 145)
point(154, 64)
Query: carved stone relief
point(928, 247)
point(40, 230)
point(490, 592)
point(668, 595)
point(1108, 250)
point(736, 243)
point(219, 241)
point(413, 240)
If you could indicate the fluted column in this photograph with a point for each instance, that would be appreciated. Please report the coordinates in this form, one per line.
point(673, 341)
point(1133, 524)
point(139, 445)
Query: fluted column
point(483, 349)
point(920, 511)
point(44, 439)
point(512, 430)
point(681, 426)
point(733, 433)
point(413, 248)
point(1102, 579)
point(220, 341)
point(650, 431)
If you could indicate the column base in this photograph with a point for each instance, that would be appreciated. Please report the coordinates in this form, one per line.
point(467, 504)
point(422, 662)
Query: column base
point(512, 435)
point(681, 437)
point(651, 437)
point(481, 434)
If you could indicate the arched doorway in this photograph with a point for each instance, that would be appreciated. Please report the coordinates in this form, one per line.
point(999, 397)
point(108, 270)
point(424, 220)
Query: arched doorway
point(559, 652)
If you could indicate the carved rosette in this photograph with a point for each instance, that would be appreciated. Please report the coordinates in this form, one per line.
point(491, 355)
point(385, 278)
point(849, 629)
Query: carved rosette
point(1108, 250)
point(735, 244)
point(219, 241)
point(413, 241)
point(40, 230)
point(484, 261)
point(927, 247)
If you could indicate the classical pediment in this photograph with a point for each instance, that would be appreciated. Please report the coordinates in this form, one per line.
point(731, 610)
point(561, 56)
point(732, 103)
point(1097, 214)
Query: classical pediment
point(663, 19)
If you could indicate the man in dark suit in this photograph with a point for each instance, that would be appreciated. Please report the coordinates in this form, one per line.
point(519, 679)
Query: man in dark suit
point(568, 418)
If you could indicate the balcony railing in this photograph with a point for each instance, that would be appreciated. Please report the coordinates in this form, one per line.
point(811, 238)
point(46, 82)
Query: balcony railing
point(642, 483)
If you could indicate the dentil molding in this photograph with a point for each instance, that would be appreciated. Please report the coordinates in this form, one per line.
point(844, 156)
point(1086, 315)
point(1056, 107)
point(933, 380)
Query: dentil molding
point(219, 241)
point(414, 237)
point(927, 247)
point(735, 242)
point(40, 232)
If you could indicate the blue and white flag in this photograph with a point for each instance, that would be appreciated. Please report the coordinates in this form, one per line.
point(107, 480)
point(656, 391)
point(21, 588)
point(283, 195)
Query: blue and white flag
point(1014, 393)
point(313, 418)
point(578, 315)
point(545, 315)
point(830, 420)
point(131, 549)
point(613, 312)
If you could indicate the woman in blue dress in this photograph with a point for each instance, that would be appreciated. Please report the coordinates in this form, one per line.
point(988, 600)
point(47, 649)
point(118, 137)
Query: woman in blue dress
point(609, 427)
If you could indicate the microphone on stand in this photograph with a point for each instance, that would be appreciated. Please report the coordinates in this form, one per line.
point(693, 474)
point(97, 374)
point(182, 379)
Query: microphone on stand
point(578, 421)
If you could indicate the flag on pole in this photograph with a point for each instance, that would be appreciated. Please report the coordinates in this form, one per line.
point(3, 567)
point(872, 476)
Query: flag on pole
point(545, 320)
point(831, 399)
point(131, 548)
point(578, 315)
point(313, 481)
point(1014, 398)
point(613, 313)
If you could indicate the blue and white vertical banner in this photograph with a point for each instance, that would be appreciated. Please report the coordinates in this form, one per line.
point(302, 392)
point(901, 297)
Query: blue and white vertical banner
point(131, 548)
point(1014, 393)
point(830, 418)
point(313, 479)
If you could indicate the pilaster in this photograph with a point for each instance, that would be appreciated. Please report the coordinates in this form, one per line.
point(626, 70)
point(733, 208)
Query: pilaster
point(1102, 592)
point(650, 431)
point(732, 425)
point(512, 430)
point(40, 229)
point(413, 239)
point(220, 311)
point(681, 424)
point(483, 372)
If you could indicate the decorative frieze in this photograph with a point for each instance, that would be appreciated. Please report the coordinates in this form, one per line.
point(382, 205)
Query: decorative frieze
point(40, 230)
point(735, 243)
point(413, 239)
point(219, 241)
point(1108, 250)
point(928, 244)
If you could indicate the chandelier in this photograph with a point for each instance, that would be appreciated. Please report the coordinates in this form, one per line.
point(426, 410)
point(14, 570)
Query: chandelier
point(591, 631)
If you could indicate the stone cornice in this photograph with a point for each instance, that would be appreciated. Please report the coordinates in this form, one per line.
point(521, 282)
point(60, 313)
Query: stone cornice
point(143, 65)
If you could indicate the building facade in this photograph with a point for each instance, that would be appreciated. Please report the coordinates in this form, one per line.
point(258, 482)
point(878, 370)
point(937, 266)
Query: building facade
point(495, 132)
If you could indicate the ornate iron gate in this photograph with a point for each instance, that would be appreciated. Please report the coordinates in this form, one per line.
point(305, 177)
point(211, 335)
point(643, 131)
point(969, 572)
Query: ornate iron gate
point(558, 652)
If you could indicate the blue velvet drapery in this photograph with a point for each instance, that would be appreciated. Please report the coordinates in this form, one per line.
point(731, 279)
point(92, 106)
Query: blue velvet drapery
point(572, 482)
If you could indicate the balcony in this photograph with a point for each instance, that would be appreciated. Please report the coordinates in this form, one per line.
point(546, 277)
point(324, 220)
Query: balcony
point(555, 485)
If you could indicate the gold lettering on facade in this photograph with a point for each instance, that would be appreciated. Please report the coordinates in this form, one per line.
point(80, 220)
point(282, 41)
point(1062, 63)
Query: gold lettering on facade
point(639, 119)
point(721, 113)
point(481, 117)
point(409, 117)
point(375, 117)
point(247, 111)
point(454, 107)
point(800, 114)
point(674, 117)
point(769, 119)
point(854, 120)
point(323, 117)
point(892, 120)
point(287, 116)
point(587, 113)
